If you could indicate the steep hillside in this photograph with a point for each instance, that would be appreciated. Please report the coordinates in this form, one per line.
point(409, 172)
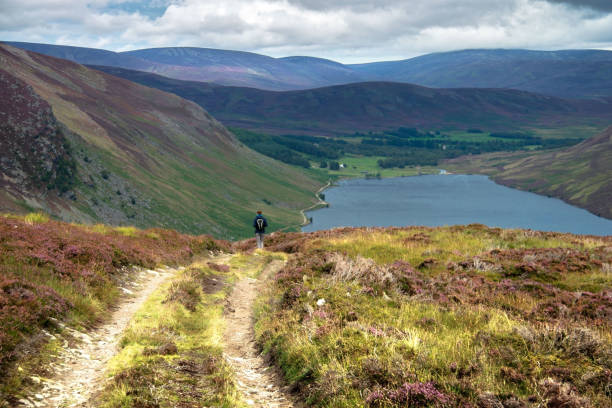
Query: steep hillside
point(36, 154)
point(570, 73)
point(580, 175)
point(224, 67)
point(148, 158)
point(377, 106)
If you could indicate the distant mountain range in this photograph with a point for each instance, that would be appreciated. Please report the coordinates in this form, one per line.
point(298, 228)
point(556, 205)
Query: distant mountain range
point(210, 65)
point(87, 146)
point(580, 175)
point(568, 73)
point(377, 106)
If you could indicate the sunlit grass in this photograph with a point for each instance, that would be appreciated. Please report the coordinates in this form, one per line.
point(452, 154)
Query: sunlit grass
point(127, 231)
point(36, 218)
point(198, 338)
point(445, 244)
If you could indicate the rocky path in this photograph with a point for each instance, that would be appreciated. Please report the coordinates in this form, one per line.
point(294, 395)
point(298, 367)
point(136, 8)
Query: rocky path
point(79, 370)
point(258, 382)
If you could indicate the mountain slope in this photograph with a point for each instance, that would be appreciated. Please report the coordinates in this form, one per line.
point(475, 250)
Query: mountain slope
point(36, 152)
point(376, 106)
point(580, 175)
point(237, 68)
point(569, 73)
point(84, 55)
point(149, 158)
point(224, 67)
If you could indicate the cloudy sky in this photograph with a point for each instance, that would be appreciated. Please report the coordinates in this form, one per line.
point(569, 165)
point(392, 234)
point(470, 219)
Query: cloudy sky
point(345, 30)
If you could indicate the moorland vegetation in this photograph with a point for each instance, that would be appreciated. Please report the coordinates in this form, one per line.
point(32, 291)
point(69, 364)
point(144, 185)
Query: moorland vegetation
point(453, 316)
point(55, 275)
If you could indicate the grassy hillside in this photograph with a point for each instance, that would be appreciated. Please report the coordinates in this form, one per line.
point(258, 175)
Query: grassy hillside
point(146, 157)
point(442, 317)
point(565, 73)
point(580, 175)
point(377, 106)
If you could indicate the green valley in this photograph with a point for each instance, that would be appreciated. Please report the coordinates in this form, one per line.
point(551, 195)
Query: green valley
point(144, 157)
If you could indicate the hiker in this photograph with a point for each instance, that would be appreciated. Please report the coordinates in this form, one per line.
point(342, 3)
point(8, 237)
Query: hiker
point(260, 223)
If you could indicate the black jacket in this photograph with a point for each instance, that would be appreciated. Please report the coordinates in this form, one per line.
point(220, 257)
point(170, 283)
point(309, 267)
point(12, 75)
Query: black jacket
point(259, 230)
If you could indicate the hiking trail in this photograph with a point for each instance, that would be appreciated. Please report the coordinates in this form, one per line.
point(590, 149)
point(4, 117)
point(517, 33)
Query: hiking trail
point(78, 372)
point(259, 383)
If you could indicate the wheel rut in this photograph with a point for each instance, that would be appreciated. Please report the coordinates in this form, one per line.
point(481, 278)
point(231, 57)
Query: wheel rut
point(259, 383)
point(79, 370)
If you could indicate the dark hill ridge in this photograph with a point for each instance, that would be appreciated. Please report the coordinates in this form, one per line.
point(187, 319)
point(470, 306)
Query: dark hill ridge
point(84, 55)
point(566, 73)
point(145, 157)
point(580, 175)
point(376, 106)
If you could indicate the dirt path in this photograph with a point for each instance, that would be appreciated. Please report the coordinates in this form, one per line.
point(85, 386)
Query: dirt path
point(79, 370)
point(258, 382)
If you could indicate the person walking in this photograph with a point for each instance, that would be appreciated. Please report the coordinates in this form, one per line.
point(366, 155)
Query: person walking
point(260, 223)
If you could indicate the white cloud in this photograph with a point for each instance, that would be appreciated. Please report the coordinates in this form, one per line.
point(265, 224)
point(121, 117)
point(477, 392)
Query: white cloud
point(346, 30)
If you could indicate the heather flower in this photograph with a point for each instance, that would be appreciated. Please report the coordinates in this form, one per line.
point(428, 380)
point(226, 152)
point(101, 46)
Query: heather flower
point(376, 332)
point(415, 394)
point(376, 398)
point(418, 394)
point(321, 314)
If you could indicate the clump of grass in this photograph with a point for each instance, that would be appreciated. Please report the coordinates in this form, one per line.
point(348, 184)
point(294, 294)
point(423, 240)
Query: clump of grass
point(36, 218)
point(127, 231)
point(185, 292)
point(456, 316)
point(152, 235)
point(172, 353)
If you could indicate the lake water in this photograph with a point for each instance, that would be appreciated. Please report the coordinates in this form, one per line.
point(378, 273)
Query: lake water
point(448, 200)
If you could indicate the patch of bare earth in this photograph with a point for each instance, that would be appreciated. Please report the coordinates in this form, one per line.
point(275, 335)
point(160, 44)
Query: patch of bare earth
point(78, 372)
point(259, 383)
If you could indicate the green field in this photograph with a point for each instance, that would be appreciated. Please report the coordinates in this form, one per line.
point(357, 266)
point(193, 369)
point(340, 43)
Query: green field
point(579, 132)
point(367, 166)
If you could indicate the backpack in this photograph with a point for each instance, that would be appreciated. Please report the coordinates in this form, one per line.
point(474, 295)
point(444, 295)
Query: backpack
point(260, 224)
